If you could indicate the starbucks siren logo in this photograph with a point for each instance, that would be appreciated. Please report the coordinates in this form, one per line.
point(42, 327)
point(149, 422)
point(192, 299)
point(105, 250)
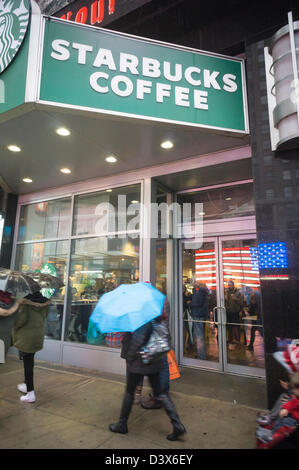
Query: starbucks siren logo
point(14, 19)
point(48, 268)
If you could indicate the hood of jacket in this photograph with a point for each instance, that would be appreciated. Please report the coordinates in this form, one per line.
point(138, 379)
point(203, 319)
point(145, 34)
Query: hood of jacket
point(5, 312)
point(35, 304)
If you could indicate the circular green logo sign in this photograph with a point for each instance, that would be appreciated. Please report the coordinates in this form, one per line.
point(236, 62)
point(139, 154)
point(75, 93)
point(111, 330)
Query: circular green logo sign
point(14, 20)
point(48, 268)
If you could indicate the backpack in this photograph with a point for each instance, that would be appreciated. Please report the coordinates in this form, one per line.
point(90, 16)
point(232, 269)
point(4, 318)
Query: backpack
point(158, 343)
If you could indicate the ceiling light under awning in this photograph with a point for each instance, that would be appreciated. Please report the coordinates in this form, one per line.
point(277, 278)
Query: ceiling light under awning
point(111, 159)
point(63, 131)
point(14, 148)
point(167, 144)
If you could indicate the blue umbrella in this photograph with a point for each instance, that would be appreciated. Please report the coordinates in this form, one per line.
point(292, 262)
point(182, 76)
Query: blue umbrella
point(127, 307)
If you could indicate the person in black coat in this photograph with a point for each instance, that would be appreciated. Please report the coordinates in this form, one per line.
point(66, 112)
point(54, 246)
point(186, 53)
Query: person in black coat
point(254, 309)
point(136, 370)
point(199, 307)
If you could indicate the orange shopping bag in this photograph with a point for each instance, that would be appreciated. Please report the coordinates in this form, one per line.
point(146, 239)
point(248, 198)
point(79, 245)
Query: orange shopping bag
point(174, 372)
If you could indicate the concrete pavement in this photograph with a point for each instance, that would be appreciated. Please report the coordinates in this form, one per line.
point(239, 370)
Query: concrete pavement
point(75, 406)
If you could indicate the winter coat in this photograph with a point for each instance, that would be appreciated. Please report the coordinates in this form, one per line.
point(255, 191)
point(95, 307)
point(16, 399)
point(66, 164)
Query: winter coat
point(200, 303)
point(8, 318)
point(234, 301)
point(254, 307)
point(131, 345)
point(293, 407)
point(30, 329)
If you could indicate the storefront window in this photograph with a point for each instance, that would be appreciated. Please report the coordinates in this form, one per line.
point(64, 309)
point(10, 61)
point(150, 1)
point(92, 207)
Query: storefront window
point(221, 203)
point(95, 264)
point(98, 265)
point(47, 257)
point(107, 211)
point(161, 266)
point(50, 219)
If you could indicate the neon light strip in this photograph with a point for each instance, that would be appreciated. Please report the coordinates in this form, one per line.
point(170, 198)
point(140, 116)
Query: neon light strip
point(237, 264)
point(239, 271)
point(235, 251)
point(281, 277)
point(245, 278)
point(210, 265)
point(205, 272)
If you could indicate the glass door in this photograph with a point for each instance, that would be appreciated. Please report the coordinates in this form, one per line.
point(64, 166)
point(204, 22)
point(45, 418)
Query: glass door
point(200, 302)
point(221, 324)
point(242, 329)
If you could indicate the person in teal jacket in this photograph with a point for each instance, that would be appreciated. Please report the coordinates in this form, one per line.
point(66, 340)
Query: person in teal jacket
point(28, 337)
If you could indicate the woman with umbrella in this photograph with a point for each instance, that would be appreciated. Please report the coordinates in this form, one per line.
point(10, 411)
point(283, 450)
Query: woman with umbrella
point(131, 309)
point(29, 331)
point(28, 337)
point(136, 370)
point(14, 285)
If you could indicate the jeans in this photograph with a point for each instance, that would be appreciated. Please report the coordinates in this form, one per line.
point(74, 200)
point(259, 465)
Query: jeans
point(286, 421)
point(199, 336)
point(133, 380)
point(164, 377)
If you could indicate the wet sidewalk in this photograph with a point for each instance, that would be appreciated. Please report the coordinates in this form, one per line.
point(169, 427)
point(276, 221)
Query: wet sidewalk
point(74, 408)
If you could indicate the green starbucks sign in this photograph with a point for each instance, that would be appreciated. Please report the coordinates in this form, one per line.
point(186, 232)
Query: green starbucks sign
point(93, 69)
point(14, 21)
point(48, 268)
point(90, 69)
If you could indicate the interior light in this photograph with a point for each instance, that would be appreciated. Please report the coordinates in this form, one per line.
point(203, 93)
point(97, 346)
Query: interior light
point(108, 190)
point(134, 202)
point(14, 148)
point(167, 144)
point(111, 159)
point(66, 171)
point(228, 198)
point(27, 180)
point(63, 131)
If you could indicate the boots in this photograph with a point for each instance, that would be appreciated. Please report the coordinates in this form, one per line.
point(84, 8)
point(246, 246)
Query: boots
point(178, 428)
point(151, 404)
point(121, 427)
point(138, 395)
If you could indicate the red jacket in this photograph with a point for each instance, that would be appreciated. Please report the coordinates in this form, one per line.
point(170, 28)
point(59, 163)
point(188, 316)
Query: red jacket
point(293, 408)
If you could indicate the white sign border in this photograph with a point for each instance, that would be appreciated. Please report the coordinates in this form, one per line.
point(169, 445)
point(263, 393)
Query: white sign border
point(230, 131)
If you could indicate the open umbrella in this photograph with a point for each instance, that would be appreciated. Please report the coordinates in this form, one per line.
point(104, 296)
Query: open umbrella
point(46, 281)
point(127, 308)
point(17, 283)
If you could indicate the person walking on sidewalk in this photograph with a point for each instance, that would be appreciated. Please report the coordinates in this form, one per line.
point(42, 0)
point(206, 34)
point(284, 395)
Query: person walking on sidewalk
point(28, 337)
point(152, 402)
point(136, 370)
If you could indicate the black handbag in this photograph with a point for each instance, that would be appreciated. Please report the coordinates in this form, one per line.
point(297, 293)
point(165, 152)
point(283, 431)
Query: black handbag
point(158, 343)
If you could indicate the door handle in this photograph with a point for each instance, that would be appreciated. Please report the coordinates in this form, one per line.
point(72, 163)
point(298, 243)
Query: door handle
point(214, 310)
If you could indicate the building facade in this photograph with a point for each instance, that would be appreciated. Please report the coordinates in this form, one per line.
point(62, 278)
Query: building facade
point(246, 196)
